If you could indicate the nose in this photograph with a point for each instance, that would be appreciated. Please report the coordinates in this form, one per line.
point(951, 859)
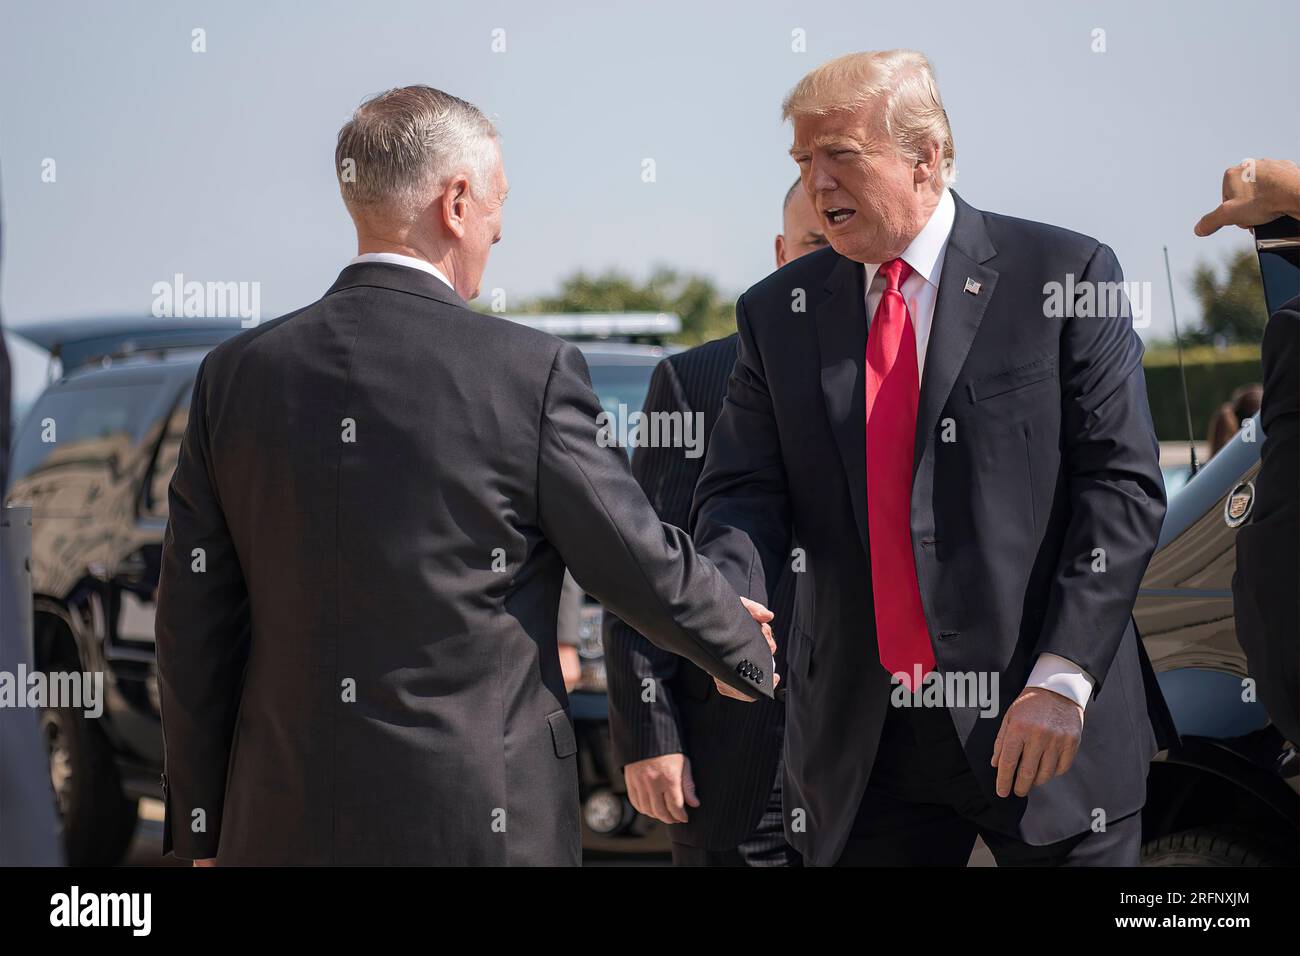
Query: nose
point(820, 179)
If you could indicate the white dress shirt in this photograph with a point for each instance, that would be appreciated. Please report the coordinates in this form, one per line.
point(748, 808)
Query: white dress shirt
point(397, 259)
point(925, 255)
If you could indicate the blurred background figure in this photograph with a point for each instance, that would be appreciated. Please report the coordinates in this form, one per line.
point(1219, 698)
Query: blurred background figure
point(1266, 585)
point(1226, 422)
point(708, 766)
point(801, 230)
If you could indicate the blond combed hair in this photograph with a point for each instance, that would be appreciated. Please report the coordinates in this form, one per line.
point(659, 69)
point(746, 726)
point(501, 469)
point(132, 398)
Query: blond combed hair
point(914, 114)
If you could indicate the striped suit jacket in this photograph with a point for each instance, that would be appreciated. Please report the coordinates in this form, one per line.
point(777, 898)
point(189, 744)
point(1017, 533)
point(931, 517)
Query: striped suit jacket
point(733, 746)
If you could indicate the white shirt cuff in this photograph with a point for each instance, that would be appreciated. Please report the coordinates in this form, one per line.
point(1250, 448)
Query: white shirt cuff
point(1063, 677)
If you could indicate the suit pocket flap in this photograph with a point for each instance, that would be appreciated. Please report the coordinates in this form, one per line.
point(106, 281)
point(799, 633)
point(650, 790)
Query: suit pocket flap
point(566, 743)
point(1012, 379)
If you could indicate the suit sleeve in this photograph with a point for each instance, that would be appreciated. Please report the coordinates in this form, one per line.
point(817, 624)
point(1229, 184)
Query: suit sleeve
point(640, 729)
point(646, 572)
point(202, 632)
point(1115, 489)
point(741, 514)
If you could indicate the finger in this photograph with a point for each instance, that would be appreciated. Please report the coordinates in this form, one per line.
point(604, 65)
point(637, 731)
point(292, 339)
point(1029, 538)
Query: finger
point(1067, 757)
point(1047, 764)
point(674, 800)
point(659, 807)
point(688, 785)
point(1227, 213)
point(997, 742)
point(776, 680)
point(1030, 757)
point(636, 796)
point(1208, 224)
point(1012, 745)
point(726, 690)
point(759, 613)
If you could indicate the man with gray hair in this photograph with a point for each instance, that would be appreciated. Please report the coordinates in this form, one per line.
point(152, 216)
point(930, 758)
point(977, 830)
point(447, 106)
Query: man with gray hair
point(372, 511)
point(973, 482)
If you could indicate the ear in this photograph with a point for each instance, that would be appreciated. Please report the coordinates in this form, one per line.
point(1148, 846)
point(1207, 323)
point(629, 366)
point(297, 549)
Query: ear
point(455, 205)
point(926, 170)
point(780, 250)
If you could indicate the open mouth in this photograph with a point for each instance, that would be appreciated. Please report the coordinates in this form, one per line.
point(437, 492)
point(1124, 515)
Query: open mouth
point(839, 215)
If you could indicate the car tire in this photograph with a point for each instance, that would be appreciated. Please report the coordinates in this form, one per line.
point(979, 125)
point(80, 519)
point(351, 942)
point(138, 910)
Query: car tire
point(98, 821)
point(1207, 846)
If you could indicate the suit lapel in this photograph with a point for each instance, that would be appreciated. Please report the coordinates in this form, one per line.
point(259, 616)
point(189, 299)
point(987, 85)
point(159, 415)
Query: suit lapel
point(965, 288)
point(842, 338)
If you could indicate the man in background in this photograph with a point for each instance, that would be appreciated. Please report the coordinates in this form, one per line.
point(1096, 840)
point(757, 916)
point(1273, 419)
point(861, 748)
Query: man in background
point(1264, 587)
point(706, 765)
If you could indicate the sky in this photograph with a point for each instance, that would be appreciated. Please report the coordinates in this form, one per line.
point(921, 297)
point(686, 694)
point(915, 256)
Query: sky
point(219, 164)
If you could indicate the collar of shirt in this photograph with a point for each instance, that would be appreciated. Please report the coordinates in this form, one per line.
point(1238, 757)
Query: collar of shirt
point(925, 253)
point(396, 259)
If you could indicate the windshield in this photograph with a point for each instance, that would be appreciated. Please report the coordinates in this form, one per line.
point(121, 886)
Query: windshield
point(621, 384)
point(81, 428)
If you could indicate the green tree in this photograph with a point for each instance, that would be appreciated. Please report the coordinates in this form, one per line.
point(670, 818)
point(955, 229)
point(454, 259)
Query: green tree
point(705, 312)
point(1233, 310)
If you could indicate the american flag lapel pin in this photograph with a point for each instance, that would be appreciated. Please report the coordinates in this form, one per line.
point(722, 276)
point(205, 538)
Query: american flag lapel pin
point(972, 286)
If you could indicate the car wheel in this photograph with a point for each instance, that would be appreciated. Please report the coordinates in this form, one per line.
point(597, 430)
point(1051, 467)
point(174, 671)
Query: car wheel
point(98, 821)
point(1206, 846)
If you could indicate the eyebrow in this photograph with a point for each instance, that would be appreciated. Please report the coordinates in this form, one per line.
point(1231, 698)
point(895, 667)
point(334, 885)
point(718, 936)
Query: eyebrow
point(828, 140)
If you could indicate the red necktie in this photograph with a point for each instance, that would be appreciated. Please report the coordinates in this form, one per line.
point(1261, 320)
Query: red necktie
point(893, 389)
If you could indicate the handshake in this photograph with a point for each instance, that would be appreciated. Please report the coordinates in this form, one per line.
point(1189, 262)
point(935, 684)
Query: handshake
point(763, 617)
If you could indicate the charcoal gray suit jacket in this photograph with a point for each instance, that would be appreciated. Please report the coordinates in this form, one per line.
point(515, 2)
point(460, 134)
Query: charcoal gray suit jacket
point(371, 515)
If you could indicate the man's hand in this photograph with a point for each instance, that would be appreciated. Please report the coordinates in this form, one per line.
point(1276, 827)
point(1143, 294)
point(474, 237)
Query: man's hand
point(661, 787)
point(570, 666)
point(763, 616)
point(210, 861)
point(1255, 191)
point(1040, 736)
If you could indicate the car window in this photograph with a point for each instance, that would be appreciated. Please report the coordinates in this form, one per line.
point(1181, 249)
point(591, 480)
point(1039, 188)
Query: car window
point(82, 428)
point(620, 384)
point(155, 502)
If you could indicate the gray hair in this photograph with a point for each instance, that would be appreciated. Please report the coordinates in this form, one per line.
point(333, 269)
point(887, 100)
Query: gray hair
point(403, 144)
